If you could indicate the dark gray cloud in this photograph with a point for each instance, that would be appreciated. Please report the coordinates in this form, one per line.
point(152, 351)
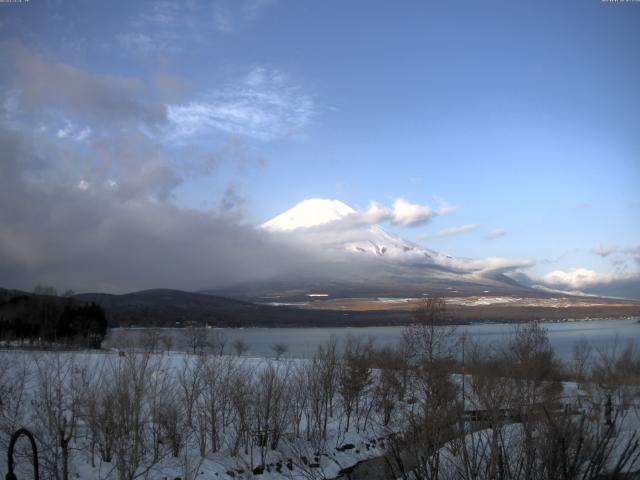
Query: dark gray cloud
point(96, 239)
point(608, 250)
point(90, 205)
point(132, 164)
point(45, 83)
point(232, 203)
point(76, 229)
point(234, 151)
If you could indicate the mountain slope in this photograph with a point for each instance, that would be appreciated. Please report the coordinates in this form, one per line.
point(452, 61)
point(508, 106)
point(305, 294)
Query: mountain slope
point(344, 230)
point(365, 257)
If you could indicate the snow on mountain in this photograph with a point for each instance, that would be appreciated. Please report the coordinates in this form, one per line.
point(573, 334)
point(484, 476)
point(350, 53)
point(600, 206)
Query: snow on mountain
point(343, 230)
point(309, 213)
point(353, 251)
point(336, 229)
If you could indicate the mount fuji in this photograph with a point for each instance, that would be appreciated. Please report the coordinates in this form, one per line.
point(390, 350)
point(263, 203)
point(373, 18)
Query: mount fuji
point(347, 254)
point(345, 229)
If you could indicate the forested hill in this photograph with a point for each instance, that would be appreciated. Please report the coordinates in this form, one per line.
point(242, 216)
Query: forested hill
point(174, 308)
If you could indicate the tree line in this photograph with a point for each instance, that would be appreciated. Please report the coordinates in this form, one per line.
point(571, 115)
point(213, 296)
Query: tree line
point(45, 319)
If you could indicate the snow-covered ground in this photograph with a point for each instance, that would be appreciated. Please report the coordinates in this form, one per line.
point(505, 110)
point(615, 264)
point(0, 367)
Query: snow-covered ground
point(42, 389)
point(172, 404)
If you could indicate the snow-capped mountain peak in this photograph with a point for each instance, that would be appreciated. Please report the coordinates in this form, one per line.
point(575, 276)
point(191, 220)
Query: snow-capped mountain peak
point(359, 238)
point(343, 235)
point(309, 213)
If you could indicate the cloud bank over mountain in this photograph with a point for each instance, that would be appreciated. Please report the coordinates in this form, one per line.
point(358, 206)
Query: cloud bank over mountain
point(91, 165)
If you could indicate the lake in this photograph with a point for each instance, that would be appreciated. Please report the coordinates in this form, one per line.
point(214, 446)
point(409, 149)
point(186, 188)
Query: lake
point(302, 342)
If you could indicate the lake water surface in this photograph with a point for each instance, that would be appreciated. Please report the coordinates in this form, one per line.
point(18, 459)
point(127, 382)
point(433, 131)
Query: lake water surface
point(302, 342)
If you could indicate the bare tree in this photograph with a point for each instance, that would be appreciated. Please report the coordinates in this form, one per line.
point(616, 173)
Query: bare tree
point(58, 394)
point(431, 335)
point(196, 339)
point(14, 383)
point(322, 371)
point(240, 347)
point(271, 406)
point(279, 349)
point(167, 342)
point(92, 378)
point(299, 385)
point(130, 374)
point(532, 367)
point(216, 396)
point(217, 341)
point(189, 378)
point(354, 376)
point(242, 394)
point(582, 355)
point(150, 340)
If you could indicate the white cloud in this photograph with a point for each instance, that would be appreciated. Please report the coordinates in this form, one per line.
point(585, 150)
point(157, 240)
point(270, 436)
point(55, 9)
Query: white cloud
point(376, 213)
point(577, 278)
point(266, 105)
point(403, 213)
point(74, 133)
point(458, 230)
point(411, 214)
point(496, 233)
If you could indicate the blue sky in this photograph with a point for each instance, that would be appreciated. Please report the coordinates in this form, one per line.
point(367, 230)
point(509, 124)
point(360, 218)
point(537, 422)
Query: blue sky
point(524, 115)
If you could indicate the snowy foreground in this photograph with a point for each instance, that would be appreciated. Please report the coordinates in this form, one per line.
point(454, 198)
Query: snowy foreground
point(126, 415)
point(33, 396)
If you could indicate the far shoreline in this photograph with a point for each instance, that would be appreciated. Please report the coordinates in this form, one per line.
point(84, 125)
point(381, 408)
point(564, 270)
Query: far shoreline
point(389, 325)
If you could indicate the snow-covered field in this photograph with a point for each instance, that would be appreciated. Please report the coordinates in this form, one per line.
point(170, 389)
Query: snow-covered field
point(177, 399)
point(131, 414)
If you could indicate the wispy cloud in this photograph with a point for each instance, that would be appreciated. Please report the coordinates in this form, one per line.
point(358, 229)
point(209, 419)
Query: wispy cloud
point(486, 265)
point(167, 26)
point(233, 15)
point(604, 250)
point(496, 233)
point(266, 105)
point(617, 255)
point(72, 132)
point(445, 232)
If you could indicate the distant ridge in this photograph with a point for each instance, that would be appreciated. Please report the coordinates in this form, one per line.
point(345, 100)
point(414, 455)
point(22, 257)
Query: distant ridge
point(176, 308)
